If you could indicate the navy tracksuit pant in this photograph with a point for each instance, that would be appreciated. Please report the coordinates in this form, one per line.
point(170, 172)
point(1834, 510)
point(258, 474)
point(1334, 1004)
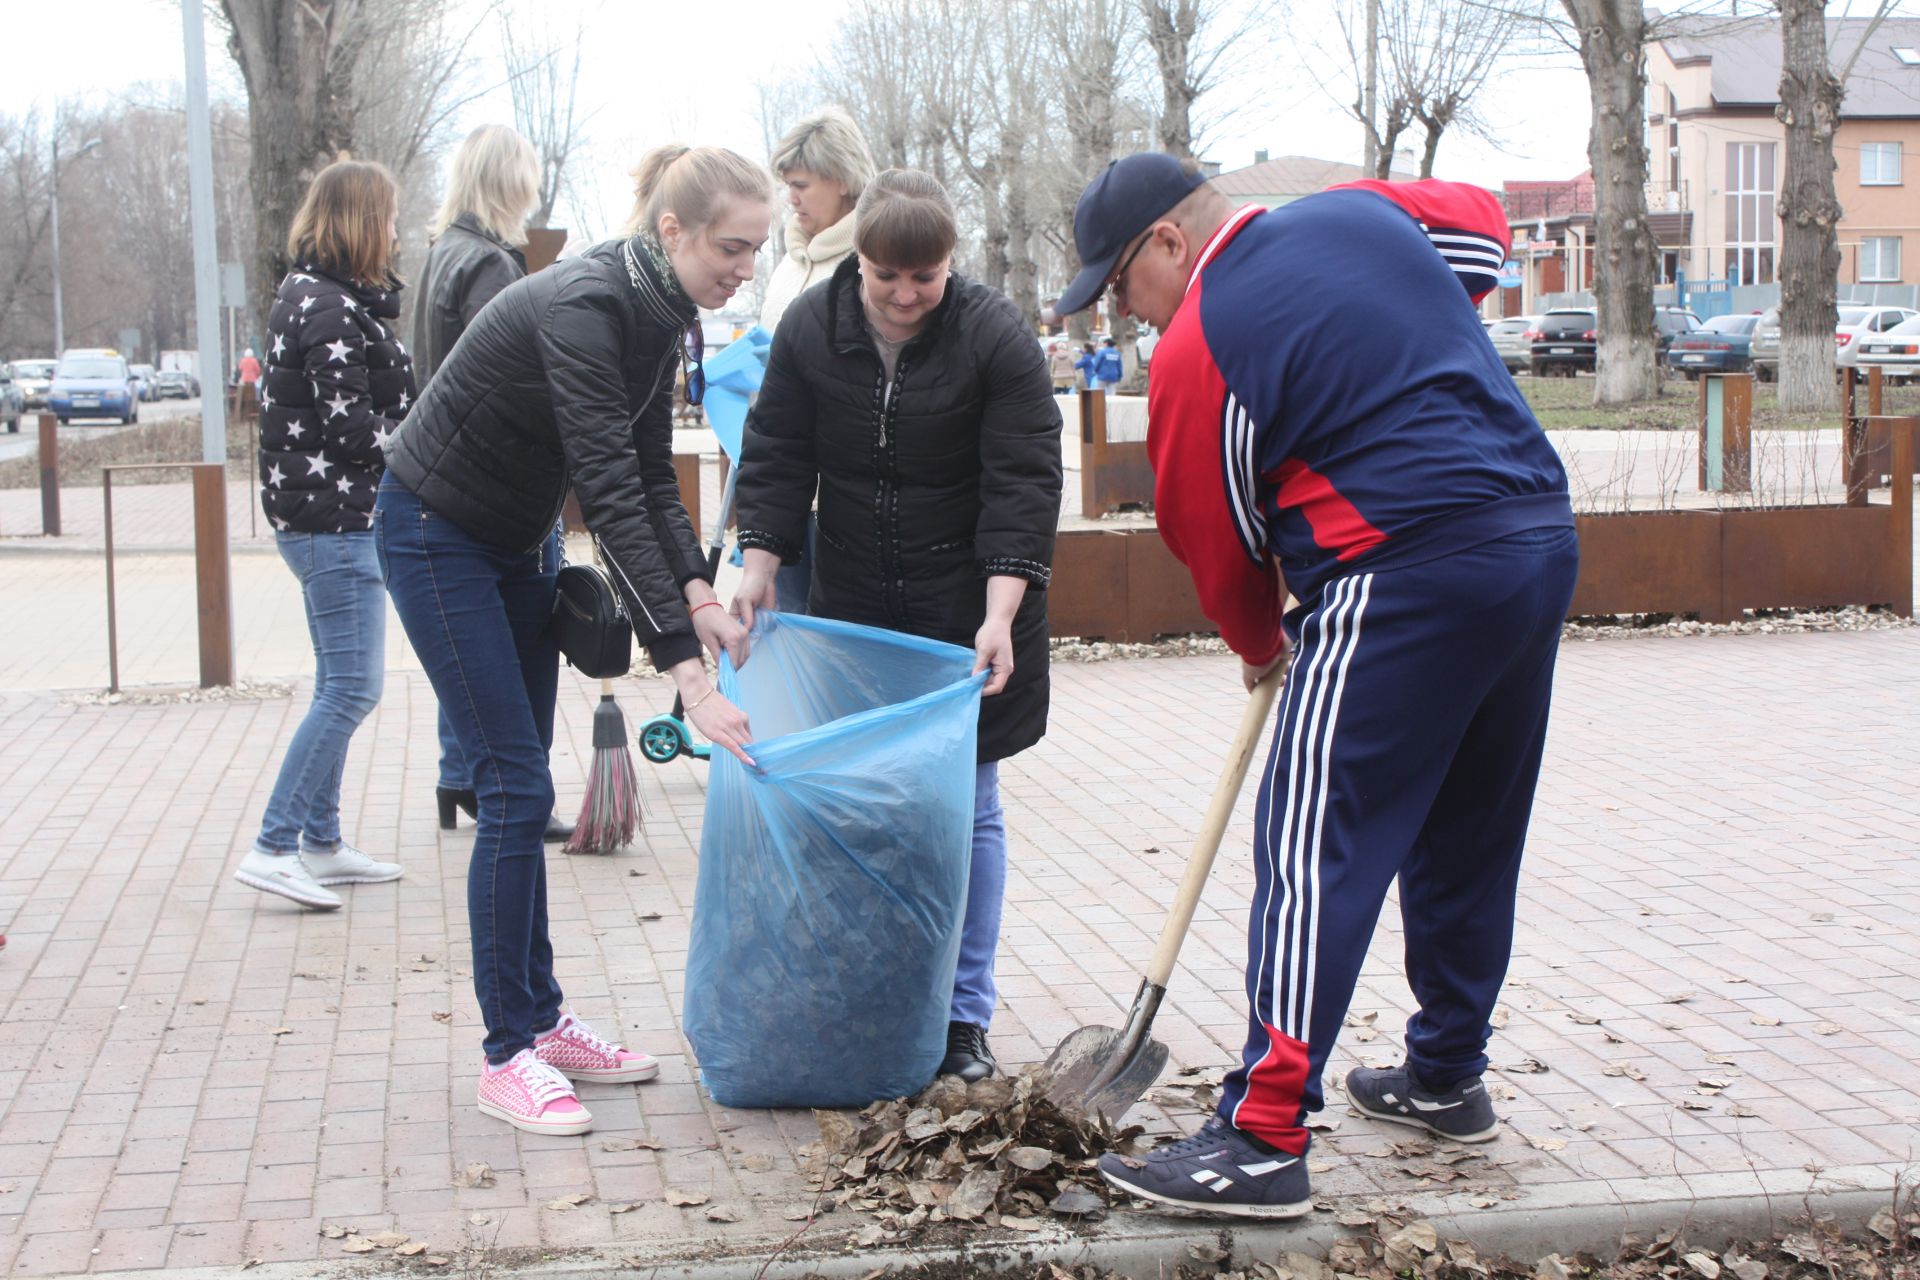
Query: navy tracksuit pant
point(1409, 740)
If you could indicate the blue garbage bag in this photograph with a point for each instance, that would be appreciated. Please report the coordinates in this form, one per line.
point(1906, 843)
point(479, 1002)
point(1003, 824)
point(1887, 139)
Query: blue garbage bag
point(833, 875)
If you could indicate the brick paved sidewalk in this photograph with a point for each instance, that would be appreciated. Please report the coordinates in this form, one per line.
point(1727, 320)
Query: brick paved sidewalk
point(1722, 886)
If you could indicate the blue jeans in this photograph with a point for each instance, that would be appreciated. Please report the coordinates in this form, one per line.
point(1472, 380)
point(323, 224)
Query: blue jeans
point(973, 990)
point(347, 618)
point(479, 619)
point(454, 774)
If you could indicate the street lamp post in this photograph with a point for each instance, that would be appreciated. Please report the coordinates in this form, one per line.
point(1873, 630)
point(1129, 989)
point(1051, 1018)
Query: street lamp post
point(59, 314)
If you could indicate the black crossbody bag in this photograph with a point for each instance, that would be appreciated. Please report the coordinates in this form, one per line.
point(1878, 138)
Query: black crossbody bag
point(590, 622)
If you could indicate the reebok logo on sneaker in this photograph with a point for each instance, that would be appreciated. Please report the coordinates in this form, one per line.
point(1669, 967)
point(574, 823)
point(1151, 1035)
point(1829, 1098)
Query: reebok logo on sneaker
point(1219, 1170)
point(1421, 1104)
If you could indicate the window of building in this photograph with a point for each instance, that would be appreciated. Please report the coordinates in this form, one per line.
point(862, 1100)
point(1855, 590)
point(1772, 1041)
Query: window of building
point(1879, 164)
point(1880, 260)
point(1908, 55)
point(1750, 216)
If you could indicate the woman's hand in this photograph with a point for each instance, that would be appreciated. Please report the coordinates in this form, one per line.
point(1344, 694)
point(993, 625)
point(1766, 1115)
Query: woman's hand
point(718, 720)
point(757, 589)
point(993, 652)
point(719, 630)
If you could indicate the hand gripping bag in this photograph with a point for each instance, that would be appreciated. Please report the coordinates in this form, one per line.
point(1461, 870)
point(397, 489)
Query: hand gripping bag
point(833, 876)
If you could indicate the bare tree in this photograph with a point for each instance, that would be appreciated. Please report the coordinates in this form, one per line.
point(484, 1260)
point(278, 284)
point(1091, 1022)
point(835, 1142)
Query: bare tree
point(1810, 212)
point(543, 72)
point(1189, 40)
point(1440, 54)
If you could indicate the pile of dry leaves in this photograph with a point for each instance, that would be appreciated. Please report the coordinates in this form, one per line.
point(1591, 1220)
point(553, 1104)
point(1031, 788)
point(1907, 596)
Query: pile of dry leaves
point(997, 1153)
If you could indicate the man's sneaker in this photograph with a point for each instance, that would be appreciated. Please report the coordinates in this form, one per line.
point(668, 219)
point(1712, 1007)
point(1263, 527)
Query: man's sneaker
point(574, 1050)
point(1463, 1113)
point(347, 865)
point(528, 1094)
point(1217, 1170)
point(967, 1054)
point(286, 875)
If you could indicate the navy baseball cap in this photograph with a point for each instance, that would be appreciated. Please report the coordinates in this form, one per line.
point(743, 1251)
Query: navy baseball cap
point(1129, 196)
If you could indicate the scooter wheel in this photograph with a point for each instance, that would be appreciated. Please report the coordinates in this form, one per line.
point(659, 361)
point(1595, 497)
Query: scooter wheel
point(662, 741)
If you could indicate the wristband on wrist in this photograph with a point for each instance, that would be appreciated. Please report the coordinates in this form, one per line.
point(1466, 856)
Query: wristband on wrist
point(711, 604)
point(711, 690)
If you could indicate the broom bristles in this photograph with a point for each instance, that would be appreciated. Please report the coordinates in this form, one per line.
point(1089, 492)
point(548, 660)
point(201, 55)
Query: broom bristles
point(610, 812)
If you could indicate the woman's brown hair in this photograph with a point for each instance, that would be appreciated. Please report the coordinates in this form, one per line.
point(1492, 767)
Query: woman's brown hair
point(904, 220)
point(344, 224)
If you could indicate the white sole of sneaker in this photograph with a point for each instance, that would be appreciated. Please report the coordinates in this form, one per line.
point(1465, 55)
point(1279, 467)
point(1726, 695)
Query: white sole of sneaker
point(1279, 1212)
point(558, 1128)
point(284, 891)
point(1414, 1122)
point(358, 879)
point(625, 1075)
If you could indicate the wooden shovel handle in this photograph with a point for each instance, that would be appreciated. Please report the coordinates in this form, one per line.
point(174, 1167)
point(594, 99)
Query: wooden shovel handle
point(1200, 862)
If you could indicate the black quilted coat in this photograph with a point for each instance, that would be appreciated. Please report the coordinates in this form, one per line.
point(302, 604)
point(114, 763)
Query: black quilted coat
point(333, 388)
point(542, 390)
point(923, 495)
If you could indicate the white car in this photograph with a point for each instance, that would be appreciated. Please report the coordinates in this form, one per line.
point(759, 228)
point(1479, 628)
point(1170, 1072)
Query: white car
point(1858, 323)
point(1896, 352)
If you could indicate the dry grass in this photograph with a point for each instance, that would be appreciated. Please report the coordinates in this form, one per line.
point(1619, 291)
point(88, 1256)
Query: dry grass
point(175, 440)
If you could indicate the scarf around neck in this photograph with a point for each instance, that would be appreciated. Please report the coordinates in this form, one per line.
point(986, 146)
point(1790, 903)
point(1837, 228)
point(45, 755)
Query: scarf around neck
point(653, 277)
point(829, 246)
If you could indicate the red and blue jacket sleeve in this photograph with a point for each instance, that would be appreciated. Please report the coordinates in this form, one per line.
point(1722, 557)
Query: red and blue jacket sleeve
point(1466, 224)
point(1206, 499)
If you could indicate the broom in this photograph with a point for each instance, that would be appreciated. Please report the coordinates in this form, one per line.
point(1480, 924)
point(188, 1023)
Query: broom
point(610, 812)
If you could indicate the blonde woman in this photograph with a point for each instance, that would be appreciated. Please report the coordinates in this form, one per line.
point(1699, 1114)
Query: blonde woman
point(825, 165)
point(335, 385)
point(564, 381)
point(477, 237)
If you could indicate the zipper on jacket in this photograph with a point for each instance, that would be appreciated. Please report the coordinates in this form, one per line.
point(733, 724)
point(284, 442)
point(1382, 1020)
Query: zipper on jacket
point(893, 582)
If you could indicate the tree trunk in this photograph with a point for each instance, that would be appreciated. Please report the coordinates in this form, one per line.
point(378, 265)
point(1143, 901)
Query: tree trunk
point(1612, 47)
point(1809, 211)
point(1171, 26)
point(1434, 130)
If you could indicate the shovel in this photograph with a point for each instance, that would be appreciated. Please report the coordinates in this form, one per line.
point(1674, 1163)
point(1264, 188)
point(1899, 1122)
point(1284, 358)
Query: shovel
point(1100, 1070)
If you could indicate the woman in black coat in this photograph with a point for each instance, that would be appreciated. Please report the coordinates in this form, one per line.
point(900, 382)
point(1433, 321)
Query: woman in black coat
point(564, 380)
point(920, 405)
point(477, 236)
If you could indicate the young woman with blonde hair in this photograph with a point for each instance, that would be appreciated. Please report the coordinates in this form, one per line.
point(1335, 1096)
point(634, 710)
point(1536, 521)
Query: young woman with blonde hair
point(477, 233)
point(335, 386)
point(563, 381)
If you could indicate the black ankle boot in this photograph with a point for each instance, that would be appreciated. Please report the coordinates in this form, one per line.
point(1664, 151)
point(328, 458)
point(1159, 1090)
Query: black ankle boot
point(454, 801)
point(558, 830)
point(967, 1054)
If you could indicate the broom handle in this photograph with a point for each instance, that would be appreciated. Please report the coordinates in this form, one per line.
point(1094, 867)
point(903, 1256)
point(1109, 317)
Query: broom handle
point(606, 688)
point(1207, 843)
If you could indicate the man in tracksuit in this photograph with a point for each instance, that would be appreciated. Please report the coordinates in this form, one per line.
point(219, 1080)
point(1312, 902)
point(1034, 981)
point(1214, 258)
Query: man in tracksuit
point(1325, 405)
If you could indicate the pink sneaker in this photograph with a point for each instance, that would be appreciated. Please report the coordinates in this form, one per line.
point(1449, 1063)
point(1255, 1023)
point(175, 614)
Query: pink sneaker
point(528, 1094)
point(573, 1050)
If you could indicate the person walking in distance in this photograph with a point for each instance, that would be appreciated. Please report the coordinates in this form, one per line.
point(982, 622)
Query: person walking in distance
point(336, 385)
point(478, 234)
point(563, 381)
point(1421, 520)
point(1107, 367)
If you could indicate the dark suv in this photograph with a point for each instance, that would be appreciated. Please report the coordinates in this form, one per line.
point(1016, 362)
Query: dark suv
point(1564, 343)
point(1668, 324)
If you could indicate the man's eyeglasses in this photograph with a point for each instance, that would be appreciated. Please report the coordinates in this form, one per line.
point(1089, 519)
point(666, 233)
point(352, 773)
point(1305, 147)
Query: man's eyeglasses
point(1118, 280)
point(695, 350)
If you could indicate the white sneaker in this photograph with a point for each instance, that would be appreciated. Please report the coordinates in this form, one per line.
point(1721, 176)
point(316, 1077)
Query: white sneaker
point(286, 875)
point(347, 865)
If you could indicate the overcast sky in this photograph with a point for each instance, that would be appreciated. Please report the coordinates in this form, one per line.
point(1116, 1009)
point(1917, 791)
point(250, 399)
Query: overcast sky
point(656, 72)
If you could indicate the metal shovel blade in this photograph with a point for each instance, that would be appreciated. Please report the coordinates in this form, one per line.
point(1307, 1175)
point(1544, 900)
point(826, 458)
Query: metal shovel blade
point(1093, 1074)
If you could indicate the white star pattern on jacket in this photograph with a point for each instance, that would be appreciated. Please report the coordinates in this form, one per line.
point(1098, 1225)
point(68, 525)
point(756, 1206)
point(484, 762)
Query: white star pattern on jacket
point(317, 465)
point(403, 397)
point(279, 344)
point(266, 399)
point(343, 484)
point(337, 351)
point(275, 475)
point(306, 303)
point(294, 429)
point(337, 407)
point(381, 435)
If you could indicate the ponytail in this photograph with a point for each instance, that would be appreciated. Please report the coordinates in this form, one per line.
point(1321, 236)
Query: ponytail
point(693, 184)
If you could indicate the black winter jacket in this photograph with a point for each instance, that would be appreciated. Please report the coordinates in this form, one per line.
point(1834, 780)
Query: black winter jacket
point(923, 498)
point(335, 385)
point(541, 391)
point(467, 265)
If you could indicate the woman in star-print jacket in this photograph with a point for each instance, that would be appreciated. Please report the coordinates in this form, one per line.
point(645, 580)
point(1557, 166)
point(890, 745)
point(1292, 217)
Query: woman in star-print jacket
point(336, 384)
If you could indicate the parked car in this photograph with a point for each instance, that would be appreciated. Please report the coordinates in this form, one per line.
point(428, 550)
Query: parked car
point(1723, 344)
point(1859, 322)
point(1510, 338)
point(1669, 323)
point(1564, 342)
point(12, 403)
point(174, 384)
point(93, 383)
point(142, 375)
point(34, 377)
point(1765, 353)
point(1896, 353)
